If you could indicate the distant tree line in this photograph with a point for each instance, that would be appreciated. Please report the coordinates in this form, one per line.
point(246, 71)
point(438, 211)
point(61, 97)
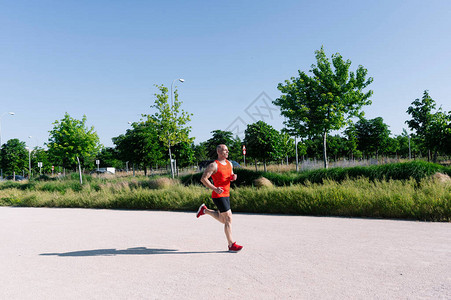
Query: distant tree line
point(328, 100)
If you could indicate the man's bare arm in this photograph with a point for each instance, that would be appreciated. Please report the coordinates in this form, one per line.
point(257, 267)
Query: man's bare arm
point(210, 170)
point(234, 176)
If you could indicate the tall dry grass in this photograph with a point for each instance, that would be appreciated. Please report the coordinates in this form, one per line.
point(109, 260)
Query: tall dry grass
point(428, 199)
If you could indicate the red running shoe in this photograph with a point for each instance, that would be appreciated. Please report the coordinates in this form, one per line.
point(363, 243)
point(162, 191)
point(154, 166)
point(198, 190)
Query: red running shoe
point(201, 210)
point(235, 247)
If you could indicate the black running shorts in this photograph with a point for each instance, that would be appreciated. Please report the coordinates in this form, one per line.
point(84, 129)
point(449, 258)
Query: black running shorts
point(223, 203)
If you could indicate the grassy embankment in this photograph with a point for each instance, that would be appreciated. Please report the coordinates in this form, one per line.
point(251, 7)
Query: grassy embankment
point(405, 191)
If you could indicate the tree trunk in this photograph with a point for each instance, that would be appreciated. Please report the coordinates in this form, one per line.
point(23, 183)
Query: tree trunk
point(264, 164)
point(297, 155)
point(170, 161)
point(434, 158)
point(79, 169)
point(324, 150)
point(255, 165)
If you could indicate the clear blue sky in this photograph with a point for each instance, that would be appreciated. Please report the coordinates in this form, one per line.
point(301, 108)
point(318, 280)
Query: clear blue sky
point(102, 58)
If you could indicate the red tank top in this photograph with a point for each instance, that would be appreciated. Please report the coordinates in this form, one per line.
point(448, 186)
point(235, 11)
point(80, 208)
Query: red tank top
point(222, 179)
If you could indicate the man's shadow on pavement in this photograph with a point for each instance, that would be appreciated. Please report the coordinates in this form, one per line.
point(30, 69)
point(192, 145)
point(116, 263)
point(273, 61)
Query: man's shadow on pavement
point(129, 251)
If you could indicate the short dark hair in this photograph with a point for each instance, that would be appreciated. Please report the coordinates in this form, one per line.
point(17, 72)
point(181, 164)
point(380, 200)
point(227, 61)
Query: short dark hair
point(219, 147)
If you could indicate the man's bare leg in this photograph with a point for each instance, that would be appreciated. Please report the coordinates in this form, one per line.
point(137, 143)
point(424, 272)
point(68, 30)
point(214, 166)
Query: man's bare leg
point(227, 217)
point(215, 214)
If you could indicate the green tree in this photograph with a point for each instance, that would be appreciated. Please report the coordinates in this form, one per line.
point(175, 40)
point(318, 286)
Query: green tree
point(224, 137)
point(125, 149)
point(262, 142)
point(218, 137)
point(403, 142)
point(40, 155)
point(201, 152)
point(315, 105)
point(286, 148)
point(431, 128)
point(170, 121)
point(439, 133)
point(302, 148)
point(314, 147)
point(336, 147)
point(373, 135)
point(184, 154)
point(14, 157)
point(421, 112)
point(140, 146)
point(351, 141)
point(109, 157)
point(71, 138)
point(393, 146)
point(236, 149)
point(447, 137)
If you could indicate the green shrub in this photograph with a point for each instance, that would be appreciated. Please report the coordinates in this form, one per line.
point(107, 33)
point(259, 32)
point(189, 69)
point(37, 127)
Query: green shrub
point(397, 171)
point(45, 177)
point(76, 177)
point(17, 185)
point(244, 178)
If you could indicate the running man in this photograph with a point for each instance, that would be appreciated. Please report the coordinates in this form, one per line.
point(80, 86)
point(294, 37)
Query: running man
point(221, 171)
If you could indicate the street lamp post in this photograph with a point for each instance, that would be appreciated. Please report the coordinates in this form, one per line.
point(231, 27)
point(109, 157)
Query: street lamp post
point(31, 150)
point(173, 164)
point(36, 141)
point(12, 114)
point(181, 80)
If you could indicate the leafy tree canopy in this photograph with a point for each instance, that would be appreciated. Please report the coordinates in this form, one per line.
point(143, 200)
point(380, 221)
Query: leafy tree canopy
point(262, 142)
point(14, 157)
point(373, 135)
point(170, 121)
point(71, 138)
point(421, 112)
point(326, 100)
point(109, 157)
point(140, 145)
point(41, 155)
point(432, 129)
point(226, 138)
point(184, 154)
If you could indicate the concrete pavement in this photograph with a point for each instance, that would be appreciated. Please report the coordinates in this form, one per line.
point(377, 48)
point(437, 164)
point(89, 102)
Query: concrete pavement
point(115, 254)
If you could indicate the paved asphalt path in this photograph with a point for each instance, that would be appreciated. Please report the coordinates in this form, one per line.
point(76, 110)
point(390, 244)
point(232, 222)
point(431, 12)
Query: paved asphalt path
point(116, 254)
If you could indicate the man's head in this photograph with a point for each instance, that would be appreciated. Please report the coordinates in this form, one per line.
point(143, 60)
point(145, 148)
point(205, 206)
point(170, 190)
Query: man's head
point(223, 151)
